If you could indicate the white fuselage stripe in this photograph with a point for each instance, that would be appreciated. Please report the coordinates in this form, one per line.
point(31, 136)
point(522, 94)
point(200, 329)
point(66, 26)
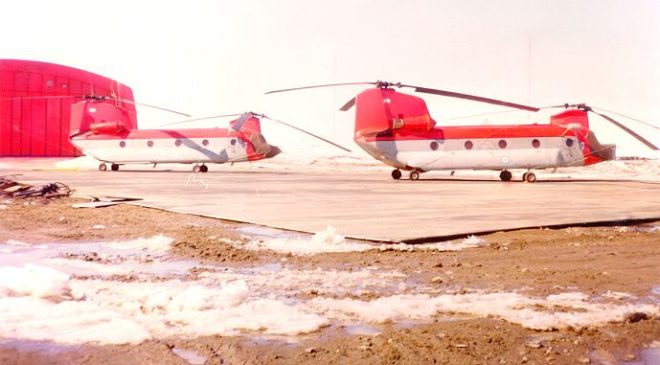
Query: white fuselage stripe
point(165, 150)
point(484, 153)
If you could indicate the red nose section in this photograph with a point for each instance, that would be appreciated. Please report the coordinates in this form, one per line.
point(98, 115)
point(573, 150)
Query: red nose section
point(100, 117)
point(380, 110)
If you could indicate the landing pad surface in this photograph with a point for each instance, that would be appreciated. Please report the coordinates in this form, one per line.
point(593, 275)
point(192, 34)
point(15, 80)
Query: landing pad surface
point(368, 204)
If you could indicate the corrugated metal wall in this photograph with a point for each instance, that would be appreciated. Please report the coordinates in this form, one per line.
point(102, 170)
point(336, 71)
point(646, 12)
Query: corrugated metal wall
point(35, 105)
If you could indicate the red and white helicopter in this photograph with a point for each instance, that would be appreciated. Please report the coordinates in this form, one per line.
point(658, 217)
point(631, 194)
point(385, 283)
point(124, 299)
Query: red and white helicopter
point(396, 128)
point(100, 127)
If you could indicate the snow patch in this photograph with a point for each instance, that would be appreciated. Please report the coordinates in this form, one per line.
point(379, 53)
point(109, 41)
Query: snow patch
point(33, 280)
point(534, 313)
point(329, 241)
point(469, 242)
point(159, 243)
point(325, 241)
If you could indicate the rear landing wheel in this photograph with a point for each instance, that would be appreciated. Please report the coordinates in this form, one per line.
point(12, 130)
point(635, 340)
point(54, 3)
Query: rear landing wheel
point(530, 177)
point(414, 175)
point(505, 175)
point(396, 174)
point(114, 167)
point(103, 167)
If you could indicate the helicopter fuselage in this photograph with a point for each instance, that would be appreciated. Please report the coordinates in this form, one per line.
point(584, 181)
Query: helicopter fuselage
point(396, 128)
point(99, 129)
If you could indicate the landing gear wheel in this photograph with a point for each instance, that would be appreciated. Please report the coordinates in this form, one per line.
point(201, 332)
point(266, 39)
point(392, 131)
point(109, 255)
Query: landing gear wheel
point(203, 168)
point(103, 167)
point(414, 175)
point(114, 167)
point(196, 168)
point(396, 174)
point(505, 175)
point(524, 177)
point(530, 177)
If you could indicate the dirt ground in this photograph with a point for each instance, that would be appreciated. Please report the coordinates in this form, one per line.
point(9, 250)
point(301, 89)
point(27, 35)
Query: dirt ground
point(543, 261)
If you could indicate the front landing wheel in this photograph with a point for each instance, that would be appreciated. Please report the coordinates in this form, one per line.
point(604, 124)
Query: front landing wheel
point(396, 174)
point(414, 175)
point(103, 167)
point(114, 167)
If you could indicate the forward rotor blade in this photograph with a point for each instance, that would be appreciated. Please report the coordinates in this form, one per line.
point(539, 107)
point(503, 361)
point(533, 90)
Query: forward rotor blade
point(318, 86)
point(94, 97)
point(631, 132)
point(481, 99)
point(203, 118)
point(306, 132)
point(349, 104)
point(148, 106)
point(44, 97)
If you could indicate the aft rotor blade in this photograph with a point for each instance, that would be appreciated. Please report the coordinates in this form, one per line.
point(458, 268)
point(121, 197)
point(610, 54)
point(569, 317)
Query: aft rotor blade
point(318, 86)
point(349, 104)
point(306, 132)
point(630, 131)
point(203, 118)
point(628, 117)
point(481, 99)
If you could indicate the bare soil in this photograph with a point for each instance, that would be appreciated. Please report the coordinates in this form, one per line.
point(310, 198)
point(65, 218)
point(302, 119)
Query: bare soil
point(592, 260)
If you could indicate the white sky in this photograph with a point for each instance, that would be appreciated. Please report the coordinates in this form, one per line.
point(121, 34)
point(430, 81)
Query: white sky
point(214, 57)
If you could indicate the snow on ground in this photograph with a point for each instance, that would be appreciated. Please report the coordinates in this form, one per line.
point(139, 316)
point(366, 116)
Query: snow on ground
point(329, 240)
point(130, 291)
point(78, 163)
point(535, 313)
point(646, 170)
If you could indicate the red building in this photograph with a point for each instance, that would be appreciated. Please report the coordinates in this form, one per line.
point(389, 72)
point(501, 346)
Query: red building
point(35, 105)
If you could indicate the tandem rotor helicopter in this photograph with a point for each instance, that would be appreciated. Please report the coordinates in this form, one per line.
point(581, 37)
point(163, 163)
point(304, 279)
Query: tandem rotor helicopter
point(396, 128)
point(100, 128)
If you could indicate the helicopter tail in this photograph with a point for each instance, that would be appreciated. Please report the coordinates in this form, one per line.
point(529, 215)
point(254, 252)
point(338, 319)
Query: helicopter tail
point(250, 126)
point(577, 122)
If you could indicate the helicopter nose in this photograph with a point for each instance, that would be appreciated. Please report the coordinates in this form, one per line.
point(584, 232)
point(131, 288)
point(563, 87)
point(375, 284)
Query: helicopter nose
point(274, 151)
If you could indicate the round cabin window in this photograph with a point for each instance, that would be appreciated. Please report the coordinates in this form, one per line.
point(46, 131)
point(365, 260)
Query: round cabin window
point(569, 142)
point(536, 143)
point(434, 146)
point(468, 145)
point(502, 144)
point(150, 143)
point(122, 144)
point(205, 142)
point(177, 142)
